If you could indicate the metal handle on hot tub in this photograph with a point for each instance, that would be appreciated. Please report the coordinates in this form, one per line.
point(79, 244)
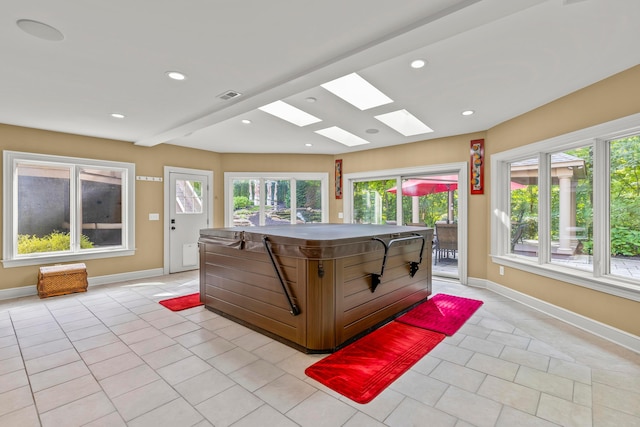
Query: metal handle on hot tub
point(294, 308)
point(413, 265)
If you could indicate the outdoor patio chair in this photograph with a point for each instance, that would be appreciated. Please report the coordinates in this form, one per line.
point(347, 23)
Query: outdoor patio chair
point(447, 241)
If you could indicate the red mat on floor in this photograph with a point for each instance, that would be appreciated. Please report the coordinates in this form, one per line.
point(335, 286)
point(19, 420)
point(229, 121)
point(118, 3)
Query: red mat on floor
point(441, 313)
point(183, 302)
point(363, 369)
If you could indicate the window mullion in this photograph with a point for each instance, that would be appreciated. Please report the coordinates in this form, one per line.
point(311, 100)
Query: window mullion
point(601, 205)
point(399, 213)
point(544, 209)
point(75, 209)
point(293, 201)
point(263, 200)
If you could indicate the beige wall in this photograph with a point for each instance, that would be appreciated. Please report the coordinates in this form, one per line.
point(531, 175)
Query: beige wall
point(609, 99)
point(149, 161)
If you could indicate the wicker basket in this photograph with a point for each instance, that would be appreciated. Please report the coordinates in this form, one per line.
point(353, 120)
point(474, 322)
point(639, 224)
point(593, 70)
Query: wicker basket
point(62, 279)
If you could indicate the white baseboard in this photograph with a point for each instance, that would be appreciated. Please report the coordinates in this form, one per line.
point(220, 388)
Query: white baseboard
point(617, 336)
point(26, 291)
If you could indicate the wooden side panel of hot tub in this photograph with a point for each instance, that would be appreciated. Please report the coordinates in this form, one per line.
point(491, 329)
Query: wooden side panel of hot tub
point(243, 285)
point(358, 309)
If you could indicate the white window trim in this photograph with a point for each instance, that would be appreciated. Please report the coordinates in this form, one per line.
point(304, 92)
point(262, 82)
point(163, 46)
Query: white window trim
point(500, 222)
point(461, 168)
point(9, 217)
point(229, 177)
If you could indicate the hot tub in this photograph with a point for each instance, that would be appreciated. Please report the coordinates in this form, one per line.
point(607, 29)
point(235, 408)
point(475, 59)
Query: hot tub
point(314, 287)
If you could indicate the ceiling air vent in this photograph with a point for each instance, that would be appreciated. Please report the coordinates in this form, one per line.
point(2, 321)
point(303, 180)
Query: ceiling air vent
point(230, 94)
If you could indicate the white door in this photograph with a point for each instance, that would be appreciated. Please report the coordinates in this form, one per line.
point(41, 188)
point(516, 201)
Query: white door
point(188, 213)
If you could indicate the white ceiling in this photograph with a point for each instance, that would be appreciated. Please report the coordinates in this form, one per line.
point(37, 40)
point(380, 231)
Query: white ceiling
point(500, 58)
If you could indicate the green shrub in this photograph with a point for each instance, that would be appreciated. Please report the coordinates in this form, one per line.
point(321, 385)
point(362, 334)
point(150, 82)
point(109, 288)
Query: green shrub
point(240, 202)
point(56, 241)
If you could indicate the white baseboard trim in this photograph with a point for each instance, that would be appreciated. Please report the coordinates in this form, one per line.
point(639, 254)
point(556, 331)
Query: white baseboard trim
point(26, 291)
point(616, 336)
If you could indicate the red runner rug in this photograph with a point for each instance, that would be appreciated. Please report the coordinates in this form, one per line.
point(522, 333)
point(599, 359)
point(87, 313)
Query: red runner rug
point(441, 313)
point(183, 302)
point(363, 369)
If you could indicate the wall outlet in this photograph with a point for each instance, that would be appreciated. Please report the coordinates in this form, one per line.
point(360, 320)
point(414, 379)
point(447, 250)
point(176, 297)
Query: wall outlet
point(502, 270)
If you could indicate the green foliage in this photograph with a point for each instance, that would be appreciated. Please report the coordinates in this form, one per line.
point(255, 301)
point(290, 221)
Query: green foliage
point(625, 241)
point(56, 241)
point(240, 202)
point(372, 203)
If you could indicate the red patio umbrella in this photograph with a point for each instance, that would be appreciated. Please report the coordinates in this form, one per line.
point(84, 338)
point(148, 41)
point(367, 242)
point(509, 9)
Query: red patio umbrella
point(424, 186)
point(437, 184)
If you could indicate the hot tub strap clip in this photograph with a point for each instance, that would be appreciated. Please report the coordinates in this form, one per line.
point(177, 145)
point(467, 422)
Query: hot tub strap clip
point(413, 265)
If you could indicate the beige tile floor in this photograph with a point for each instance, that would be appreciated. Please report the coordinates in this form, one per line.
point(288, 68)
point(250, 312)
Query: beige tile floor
point(113, 357)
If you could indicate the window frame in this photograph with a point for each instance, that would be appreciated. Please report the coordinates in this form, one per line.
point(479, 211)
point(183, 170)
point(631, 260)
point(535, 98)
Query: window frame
point(598, 136)
point(10, 161)
point(229, 177)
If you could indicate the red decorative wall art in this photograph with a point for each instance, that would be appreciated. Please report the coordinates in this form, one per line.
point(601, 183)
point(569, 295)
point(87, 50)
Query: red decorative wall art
point(477, 166)
point(339, 179)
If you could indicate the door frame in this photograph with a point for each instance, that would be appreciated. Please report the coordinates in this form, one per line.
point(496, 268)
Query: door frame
point(459, 168)
point(167, 207)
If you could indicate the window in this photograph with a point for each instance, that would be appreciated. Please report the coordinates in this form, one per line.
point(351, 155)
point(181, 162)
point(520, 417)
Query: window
point(569, 207)
point(62, 209)
point(188, 197)
point(264, 199)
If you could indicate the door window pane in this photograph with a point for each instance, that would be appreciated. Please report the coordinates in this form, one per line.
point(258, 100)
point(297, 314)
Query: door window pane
point(624, 217)
point(523, 205)
point(43, 209)
point(188, 197)
point(571, 208)
point(373, 202)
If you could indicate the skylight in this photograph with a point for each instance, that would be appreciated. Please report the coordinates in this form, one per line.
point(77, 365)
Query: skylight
point(404, 122)
point(357, 92)
point(342, 136)
point(289, 113)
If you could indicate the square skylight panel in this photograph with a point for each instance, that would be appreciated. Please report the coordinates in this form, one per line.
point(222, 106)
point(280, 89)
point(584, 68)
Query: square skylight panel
point(404, 122)
point(288, 112)
point(342, 136)
point(357, 92)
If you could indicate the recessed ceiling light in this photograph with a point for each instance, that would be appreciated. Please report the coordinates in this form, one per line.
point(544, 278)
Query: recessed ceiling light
point(175, 75)
point(372, 131)
point(342, 136)
point(40, 30)
point(418, 63)
point(468, 112)
point(308, 145)
point(246, 121)
point(357, 92)
point(404, 122)
point(310, 99)
point(289, 113)
point(117, 115)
